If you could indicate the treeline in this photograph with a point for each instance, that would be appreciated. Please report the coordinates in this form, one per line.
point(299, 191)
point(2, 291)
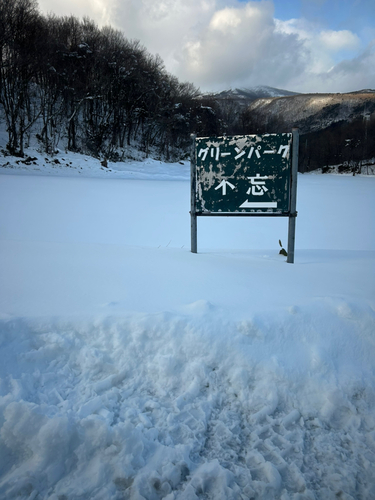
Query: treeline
point(64, 79)
point(346, 144)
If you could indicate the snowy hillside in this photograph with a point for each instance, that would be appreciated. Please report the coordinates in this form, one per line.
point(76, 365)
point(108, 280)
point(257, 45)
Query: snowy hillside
point(312, 112)
point(131, 368)
point(247, 95)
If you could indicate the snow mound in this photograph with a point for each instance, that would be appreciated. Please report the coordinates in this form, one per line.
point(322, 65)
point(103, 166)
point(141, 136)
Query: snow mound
point(183, 407)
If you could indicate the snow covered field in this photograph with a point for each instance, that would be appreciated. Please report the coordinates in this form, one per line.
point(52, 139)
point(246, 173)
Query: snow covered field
point(133, 369)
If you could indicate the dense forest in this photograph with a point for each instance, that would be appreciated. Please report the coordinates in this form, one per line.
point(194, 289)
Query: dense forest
point(348, 145)
point(69, 84)
point(64, 79)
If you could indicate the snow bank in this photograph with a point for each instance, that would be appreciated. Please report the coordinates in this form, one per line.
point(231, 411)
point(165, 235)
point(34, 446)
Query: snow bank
point(181, 406)
point(69, 164)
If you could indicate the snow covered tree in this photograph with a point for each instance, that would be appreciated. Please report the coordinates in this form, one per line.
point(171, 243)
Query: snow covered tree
point(20, 31)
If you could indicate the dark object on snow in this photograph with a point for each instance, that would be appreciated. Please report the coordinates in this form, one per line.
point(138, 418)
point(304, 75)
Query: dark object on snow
point(282, 251)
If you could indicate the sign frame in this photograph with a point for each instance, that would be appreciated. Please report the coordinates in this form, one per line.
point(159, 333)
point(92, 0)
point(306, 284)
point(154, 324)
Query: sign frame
point(291, 212)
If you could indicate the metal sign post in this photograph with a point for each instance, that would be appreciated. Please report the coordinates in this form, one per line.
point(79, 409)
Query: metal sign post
point(293, 197)
point(193, 189)
point(244, 176)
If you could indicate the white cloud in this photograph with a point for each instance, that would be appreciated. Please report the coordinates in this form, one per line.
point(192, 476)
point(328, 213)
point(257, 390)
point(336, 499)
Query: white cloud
point(100, 11)
point(356, 73)
point(335, 60)
point(339, 40)
point(226, 20)
point(218, 44)
point(241, 46)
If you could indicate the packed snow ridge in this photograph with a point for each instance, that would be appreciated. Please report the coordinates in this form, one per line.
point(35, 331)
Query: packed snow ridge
point(131, 368)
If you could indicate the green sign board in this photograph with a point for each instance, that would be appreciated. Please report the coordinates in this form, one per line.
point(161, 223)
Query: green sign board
point(243, 174)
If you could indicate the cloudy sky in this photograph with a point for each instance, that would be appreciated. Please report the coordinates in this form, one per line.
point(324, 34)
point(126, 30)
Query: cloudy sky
point(300, 45)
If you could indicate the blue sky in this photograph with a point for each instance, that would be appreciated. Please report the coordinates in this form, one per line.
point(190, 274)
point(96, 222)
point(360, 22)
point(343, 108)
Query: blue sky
point(300, 45)
point(335, 14)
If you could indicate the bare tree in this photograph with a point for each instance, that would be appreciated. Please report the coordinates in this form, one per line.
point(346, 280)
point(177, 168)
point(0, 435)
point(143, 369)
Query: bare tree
point(19, 34)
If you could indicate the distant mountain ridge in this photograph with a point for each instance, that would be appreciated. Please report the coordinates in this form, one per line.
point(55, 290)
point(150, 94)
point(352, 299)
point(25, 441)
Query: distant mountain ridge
point(273, 108)
point(247, 95)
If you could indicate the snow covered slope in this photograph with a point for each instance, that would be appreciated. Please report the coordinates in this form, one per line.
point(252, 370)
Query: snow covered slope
point(243, 97)
point(133, 369)
point(251, 94)
point(312, 112)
